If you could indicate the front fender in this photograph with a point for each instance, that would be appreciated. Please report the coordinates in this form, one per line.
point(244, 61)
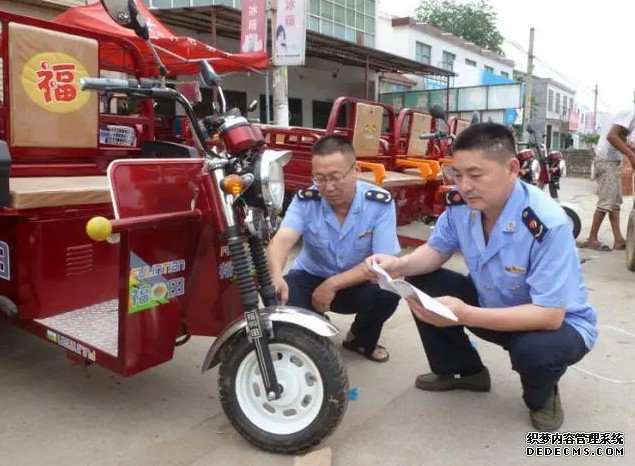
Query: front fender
point(287, 314)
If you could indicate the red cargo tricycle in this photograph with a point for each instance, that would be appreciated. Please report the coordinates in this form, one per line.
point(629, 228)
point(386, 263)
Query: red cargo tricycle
point(178, 252)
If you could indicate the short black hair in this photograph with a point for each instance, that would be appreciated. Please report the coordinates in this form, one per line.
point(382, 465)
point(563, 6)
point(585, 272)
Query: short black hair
point(333, 143)
point(496, 141)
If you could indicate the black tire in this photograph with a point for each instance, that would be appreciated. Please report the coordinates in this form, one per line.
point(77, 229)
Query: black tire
point(630, 242)
point(575, 219)
point(322, 354)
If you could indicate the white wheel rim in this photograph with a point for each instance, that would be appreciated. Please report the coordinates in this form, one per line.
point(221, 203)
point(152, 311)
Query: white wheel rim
point(301, 399)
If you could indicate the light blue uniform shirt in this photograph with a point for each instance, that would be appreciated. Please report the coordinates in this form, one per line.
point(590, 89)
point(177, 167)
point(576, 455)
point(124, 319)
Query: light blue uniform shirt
point(329, 248)
point(515, 267)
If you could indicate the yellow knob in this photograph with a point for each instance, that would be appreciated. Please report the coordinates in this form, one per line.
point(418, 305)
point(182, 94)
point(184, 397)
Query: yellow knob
point(98, 228)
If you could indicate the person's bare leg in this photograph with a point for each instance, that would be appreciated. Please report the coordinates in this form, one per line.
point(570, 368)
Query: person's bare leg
point(619, 241)
point(598, 218)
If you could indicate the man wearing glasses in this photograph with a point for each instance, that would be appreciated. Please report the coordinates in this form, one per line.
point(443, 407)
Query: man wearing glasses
point(341, 221)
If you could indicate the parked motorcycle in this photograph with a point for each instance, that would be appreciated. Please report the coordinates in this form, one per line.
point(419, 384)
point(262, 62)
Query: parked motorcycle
point(442, 140)
point(546, 170)
point(282, 383)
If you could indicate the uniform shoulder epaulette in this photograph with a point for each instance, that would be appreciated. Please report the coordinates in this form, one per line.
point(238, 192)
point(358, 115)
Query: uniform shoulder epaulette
point(309, 194)
point(533, 223)
point(379, 196)
point(453, 197)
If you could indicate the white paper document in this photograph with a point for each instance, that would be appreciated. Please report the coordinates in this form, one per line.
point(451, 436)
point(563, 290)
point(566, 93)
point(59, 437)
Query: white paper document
point(405, 289)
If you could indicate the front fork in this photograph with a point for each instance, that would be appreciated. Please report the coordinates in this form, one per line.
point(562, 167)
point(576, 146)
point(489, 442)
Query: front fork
point(256, 331)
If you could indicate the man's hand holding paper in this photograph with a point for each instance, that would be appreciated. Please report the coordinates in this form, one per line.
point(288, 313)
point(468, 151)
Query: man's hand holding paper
point(426, 308)
point(429, 317)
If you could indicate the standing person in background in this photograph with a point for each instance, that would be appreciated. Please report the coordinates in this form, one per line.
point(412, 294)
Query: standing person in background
point(609, 152)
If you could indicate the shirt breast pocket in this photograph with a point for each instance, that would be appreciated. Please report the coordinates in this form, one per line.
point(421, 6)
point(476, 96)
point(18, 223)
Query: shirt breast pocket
point(316, 245)
point(362, 248)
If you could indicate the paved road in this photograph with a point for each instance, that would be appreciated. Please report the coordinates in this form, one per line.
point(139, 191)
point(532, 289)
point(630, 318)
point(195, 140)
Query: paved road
point(54, 413)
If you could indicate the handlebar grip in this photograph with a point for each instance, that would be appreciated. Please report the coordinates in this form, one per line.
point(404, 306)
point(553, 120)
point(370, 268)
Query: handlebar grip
point(427, 136)
point(99, 228)
point(102, 84)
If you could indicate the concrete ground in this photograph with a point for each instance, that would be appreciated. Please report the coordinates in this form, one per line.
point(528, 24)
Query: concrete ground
point(54, 413)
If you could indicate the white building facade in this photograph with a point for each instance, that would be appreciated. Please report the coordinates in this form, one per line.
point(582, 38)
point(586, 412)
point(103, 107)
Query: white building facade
point(422, 42)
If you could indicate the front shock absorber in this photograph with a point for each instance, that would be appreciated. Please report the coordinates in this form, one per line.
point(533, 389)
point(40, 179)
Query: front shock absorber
point(242, 271)
point(259, 257)
point(256, 331)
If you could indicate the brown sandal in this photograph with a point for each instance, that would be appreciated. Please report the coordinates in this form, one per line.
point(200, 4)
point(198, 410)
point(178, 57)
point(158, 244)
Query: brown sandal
point(351, 346)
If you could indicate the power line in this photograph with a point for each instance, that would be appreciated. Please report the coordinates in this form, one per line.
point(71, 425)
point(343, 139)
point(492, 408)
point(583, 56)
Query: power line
point(580, 87)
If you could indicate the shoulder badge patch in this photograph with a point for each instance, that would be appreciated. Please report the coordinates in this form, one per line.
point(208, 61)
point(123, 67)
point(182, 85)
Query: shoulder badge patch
point(533, 223)
point(309, 195)
point(379, 196)
point(453, 197)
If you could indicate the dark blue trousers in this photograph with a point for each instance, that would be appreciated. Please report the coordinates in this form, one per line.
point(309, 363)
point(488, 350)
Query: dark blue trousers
point(539, 357)
point(371, 305)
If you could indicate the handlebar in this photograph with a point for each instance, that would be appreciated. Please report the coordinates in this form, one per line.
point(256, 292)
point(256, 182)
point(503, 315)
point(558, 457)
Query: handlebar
point(100, 228)
point(437, 135)
point(149, 89)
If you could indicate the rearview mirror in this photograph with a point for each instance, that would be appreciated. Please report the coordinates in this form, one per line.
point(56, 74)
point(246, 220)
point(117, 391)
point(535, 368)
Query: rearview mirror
point(208, 75)
point(437, 112)
point(126, 14)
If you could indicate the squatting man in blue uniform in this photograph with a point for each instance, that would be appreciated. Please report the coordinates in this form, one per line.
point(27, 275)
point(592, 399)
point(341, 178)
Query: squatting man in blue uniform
point(525, 290)
point(341, 221)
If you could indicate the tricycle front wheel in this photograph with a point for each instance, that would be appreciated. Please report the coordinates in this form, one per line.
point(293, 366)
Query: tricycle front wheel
point(314, 397)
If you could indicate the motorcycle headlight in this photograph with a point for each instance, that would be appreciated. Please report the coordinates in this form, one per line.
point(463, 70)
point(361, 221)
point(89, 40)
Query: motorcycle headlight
point(562, 166)
point(270, 177)
point(535, 170)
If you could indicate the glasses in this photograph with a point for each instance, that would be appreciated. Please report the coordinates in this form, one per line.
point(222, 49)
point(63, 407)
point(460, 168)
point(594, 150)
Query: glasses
point(336, 178)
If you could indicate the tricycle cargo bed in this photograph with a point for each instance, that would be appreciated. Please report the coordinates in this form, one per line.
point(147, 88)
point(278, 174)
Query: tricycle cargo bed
point(48, 264)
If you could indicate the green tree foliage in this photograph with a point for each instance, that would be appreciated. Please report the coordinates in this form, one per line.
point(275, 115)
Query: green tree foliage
point(474, 21)
point(590, 139)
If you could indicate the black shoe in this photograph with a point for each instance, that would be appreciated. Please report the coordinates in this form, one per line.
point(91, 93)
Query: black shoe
point(551, 416)
point(479, 382)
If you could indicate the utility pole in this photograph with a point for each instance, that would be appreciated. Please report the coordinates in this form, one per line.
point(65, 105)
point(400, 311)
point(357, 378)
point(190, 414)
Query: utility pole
point(268, 18)
point(528, 83)
point(280, 81)
point(595, 109)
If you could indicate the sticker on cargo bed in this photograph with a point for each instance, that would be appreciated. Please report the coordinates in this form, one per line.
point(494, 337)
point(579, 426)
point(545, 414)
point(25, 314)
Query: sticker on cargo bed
point(5, 261)
point(51, 80)
point(71, 345)
point(149, 287)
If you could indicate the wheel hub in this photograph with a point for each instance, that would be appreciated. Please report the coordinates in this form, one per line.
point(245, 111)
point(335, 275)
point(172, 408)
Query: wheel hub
point(302, 391)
